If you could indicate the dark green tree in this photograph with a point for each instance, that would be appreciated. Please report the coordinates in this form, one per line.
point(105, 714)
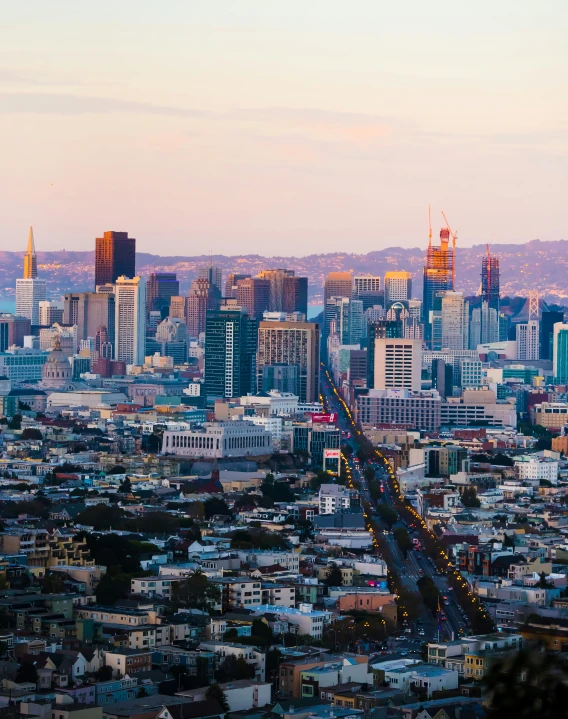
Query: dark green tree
point(469, 497)
point(27, 672)
point(215, 505)
point(403, 540)
point(215, 692)
point(195, 592)
point(527, 684)
point(334, 577)
point(388, 515)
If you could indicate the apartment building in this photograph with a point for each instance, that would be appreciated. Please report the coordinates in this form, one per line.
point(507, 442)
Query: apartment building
point(239, 592)
point(251, 655)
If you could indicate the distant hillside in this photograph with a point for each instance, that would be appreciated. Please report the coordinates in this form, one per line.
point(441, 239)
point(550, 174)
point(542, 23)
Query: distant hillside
point(536, 264)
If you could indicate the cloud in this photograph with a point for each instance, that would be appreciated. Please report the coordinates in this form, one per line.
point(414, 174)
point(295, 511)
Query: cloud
point(60, 104)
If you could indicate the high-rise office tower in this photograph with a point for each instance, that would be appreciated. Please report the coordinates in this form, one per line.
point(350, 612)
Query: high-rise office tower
point(528, 340)
point(276, 278)
point(560, 353)
point(293, 344)
point(442, 377)
point(178, 307)
point(455, 321)
point(380, 330)
point(367, 289)
point(30, 259)
point(337, 284)
point(280, 377)
point(213, 275)
point(254, 295)
point(50, 311)
point(30, 290)
point(115, 256)
point(103, 345)
point(29, 293)
point(398, 287)
point(548, 320)
point(231, 338)
point(438, 277)
point(160, 289)
point(348, 319)
point(202, 297)
point(231, 284)
point(490, 280)
point(484, 326)
point(130, 320)
point(398, 364)
point(89, 311)
point(13, 329)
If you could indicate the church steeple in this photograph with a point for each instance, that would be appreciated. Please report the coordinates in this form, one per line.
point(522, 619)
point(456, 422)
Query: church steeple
point(30, 261)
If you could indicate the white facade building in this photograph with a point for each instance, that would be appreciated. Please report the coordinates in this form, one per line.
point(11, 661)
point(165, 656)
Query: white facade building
point(333, 498)
point(534, 467)
point(219, 439)
point(455, 321)
point(398, 286)
point(528, 339)
point(278, 403)
point(29, 293)
point(130, 320)
point(304, 618)
point(398, 364)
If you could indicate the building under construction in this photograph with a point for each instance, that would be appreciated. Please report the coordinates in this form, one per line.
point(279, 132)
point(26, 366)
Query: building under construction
point(490, 280)
point(439, 274)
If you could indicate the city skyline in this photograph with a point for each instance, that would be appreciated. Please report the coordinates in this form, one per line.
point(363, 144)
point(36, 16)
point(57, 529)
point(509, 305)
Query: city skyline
point(306, 128)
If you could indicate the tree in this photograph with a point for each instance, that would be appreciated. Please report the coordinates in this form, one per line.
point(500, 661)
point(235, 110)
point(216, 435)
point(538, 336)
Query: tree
point(544, 583)
point(125, 486)
point(27, 672)
point(388, 515)
point(215, 692)
point(117, 469)
point(403, 540)
point(430, 593)
point(15, 422)
point(232, 669)
point(334, 577)
point(527, 683)
point(195, 592)
point(104, 674)
point(31, 433)
point(52, 583)
point(101, 516)
point(215, 505)
point(142, 692)
point(469, 497)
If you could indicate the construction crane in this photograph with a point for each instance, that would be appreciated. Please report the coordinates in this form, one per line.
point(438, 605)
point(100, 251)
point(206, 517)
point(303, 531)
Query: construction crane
point(430, 227)
point(488, 289)
point(454, 238)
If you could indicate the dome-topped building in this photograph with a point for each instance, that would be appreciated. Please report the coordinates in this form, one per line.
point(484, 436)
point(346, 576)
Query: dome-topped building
point(57, 371)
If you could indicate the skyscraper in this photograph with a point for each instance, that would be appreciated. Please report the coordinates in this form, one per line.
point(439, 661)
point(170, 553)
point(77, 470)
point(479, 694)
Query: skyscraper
point(231, 284)
point(560, 353)
point(528, 340)
point(202, 297)
point(442, 377)
point(293, 344)
point(29, 293)
point(490, 280)
point(254, 294)
point(337, 284)
point(548, 320)
point(230, 352)
point(13, 329)
point(381, 329)
point(30, 260)
point(130, 320)
point(398, 287)
point(213, 274)
point(398, 364)
point(115, 256)
point(455, 321)
point(367, 289)
point(89, 311)
point(50, 311)
point(160, 289)
point(347, 316)
point(438, 277)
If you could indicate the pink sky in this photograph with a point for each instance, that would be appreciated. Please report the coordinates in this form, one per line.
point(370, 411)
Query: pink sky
point(282, 128)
